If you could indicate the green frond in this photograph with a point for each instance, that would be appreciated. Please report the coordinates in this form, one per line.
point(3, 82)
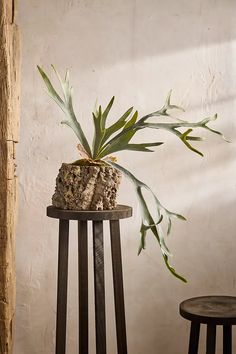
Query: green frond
point(66, 105)
point(117, 137)
point(148, 221)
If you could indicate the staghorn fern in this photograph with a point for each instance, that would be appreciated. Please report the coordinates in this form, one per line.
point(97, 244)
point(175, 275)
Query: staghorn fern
point(117, 137)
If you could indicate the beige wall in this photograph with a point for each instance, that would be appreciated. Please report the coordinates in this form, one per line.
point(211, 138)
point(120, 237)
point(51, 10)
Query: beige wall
point(136, 50)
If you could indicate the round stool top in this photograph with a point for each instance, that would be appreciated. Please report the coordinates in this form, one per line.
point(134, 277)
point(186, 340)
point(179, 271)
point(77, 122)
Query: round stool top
point(120, 212)
point(218, 310)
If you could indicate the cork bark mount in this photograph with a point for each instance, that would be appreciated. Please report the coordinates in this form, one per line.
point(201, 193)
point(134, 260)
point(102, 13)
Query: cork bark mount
point(86, 187)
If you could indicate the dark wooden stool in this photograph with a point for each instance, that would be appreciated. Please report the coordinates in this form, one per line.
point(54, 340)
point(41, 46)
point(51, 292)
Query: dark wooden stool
point(97, 218)
point(212, 311)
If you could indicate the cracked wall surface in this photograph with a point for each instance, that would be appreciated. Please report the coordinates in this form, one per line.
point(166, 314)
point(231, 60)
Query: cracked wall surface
point(136, 51)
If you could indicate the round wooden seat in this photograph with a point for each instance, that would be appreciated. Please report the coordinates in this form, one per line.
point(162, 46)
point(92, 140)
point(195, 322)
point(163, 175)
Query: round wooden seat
point(212, 311)
point(219, 310)
point(120, 212)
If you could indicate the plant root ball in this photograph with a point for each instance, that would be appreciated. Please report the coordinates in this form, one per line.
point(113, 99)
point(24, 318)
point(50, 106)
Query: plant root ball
point(86, 187)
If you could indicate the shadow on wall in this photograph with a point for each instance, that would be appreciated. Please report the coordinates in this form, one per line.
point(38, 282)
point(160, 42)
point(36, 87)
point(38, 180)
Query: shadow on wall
point(130, 28)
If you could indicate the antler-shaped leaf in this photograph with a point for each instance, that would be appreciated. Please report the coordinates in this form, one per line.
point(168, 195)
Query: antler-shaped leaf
point(99, 119)
point(115, 143)
point(168, 106)
point(99, 131)
point(185, 137)
point(102, 133)
point(141, 147)
point(66, 105)
point(123, 142)
point(116, 126)
point(148, 222)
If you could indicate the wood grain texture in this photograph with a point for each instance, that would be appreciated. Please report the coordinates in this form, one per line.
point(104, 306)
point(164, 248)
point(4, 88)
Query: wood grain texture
point(83, 286)
point(227, 339)
point(99, 287)
point(194, 338)
point(62, 284)
point(215, 310)
point(120, 212)
point(9, 121)
point(118, 287)
point(211, 339)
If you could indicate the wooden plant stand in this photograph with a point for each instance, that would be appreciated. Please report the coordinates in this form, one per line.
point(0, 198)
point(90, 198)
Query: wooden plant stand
point(97, 218)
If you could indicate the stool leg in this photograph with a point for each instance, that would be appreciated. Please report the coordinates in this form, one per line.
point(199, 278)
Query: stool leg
point(211, 339)
point(99, 287)
point(118, 287)
point(62, 286)
point(227, 339)
point(83, 286)
point(194, 338)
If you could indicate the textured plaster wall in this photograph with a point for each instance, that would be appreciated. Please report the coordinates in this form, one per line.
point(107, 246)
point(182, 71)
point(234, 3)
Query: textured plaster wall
point(136, 50)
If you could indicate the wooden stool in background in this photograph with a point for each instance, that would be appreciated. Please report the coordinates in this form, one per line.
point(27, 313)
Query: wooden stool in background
point(212, 311)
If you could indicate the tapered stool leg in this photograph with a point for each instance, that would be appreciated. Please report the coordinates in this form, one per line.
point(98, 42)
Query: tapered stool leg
point(194, 338)
point(118, 287)
point(83, 286)
point(227, 339)
point(62, 286)
point(211, 339)
point(99, 287)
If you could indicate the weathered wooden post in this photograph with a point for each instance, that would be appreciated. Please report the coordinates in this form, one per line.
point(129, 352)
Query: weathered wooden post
point(9, 121)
